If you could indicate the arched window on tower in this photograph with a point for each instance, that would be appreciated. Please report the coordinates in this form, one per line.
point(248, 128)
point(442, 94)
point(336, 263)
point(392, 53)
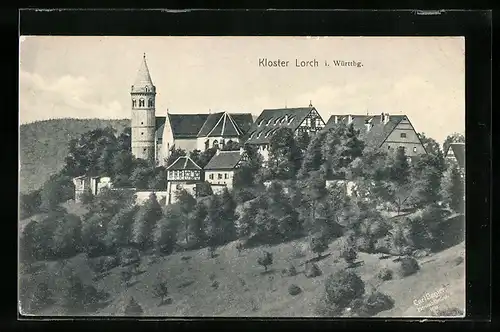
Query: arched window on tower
point(147, 89)
point(150, 103)
point(215, 144)
point(141, 102)
point(134, 103)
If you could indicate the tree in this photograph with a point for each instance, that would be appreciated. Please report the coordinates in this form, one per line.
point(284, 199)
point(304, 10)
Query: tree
point(231, 146)
point(94, 234)
point(265, 260)
point(196, 223)
point(303, 140)
point(133, 308)
point(315, 191)
point(158, 180)
point(146, 218)
point(174, 154)
point(202, 159)
point(343, 287)
point(399, 171)
point(250, 164)
point(119, 232)
point(228, 217)
point(59, 188)
point(141, 176)
point(426, 175)
point(168, 230)
point(67, 238)
point(285, 156)
point(453, 188)
point(204, 189)
point(318, 245)
point(29, 204)
point(161, 289)
point(453, 138)
point(313, 156)
point(74, 294)
point(126, 276)
point(186, 204)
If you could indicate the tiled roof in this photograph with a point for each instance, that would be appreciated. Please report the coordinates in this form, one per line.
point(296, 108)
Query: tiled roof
point(160, 124)
point(186, 125)
point(272, 119)
point(183, 162)
point(224, 124)
point(243, 120)
point(459, 153)
point(143, 77)
point(378, 132)
point(224, 160)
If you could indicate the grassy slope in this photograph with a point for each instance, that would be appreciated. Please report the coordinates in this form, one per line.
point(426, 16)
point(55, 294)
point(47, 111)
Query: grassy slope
point(44, 145)
point(269, 297)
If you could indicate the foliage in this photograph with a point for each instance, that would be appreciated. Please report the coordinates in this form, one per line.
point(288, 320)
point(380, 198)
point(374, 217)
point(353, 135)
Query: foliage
point(59, 188)
point(34, 300)
point(119, 231)
point(312, 270)
point(453, 189)
point(453, 138)
point(197, 224)
point(133, 308)
point(145, 221)
point(408, 266)
point(204, 189)
point(128, 256)
point(202, 158)
point(375, 303)
point(343, 287)
point(220, 219)
point(67, 237)
point(79, 297)
point(427, 172)
point(313, 156)
point(318, 245)
point(265, 259)
point(168, 229)
point(160, 289)
point(243, 195)
point(29, 204)
point(186, 204)
point(349, 255)
point(231, 146)
point(285, 156)
point(294, 290)
point(174, 154)
point(246, 173)
point(385, 274)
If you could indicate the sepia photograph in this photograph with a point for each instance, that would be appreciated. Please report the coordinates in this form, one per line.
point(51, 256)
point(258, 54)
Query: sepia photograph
point(241, 177)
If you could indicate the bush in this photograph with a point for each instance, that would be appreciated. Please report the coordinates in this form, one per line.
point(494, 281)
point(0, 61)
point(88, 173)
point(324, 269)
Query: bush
point(133, 308)
point(161, 289)
point(408, 266)
point(343, 287)
point(265, 260)
point(103, 263)
point(385, 274)
point(294, 290)
point(318, 245)
point(290, 271)
point(365, 244)
point(375, 303)
point(128, 256)
point(349, 255)
point(312, 270)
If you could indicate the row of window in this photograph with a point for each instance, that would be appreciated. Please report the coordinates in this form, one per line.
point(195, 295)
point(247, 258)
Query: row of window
point(404, 148)
point(184, 175)
point(279, 120)
point(151, 103)
point(219, 176)
point(308, 122)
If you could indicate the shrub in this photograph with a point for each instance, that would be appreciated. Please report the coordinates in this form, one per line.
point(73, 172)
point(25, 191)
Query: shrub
point(161, 289)
point(349, 255)
point(365, 244)
point(290, 271)
point(126, 276)
point(376, 303)
point(318, 245)
point(294, 290)
point(378, 229)
point(133, 308)
point(385, 274)
point(312, 270)
point(128, 256)
point(342, 287)
point(265, 260)
point(408, 266)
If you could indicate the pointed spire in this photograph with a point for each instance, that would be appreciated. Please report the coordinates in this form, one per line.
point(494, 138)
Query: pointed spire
point(143, 77)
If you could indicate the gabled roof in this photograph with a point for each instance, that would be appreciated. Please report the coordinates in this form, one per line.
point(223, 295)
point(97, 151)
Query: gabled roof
point(378, 132)
point(272, 119)
point(224, 160)
point(186, 125)
point(243, 120)
point(458, 150)
point(143, 77)
point(220, 124)
point(183, 162)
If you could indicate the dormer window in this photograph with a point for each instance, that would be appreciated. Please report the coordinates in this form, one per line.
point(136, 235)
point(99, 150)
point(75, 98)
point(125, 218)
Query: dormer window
point(258, 135)
point(251, 135)
point(134, 103)
point(141, 102)
point(291, 120)
point(261, 122)
point(269, 122)
point(277, 121)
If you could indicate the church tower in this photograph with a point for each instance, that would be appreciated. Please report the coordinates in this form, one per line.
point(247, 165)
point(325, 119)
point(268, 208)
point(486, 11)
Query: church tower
point(143, 123)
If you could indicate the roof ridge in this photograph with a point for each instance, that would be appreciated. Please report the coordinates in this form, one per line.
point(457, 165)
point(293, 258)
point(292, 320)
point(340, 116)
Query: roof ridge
point(215, 126)
point(238, 131)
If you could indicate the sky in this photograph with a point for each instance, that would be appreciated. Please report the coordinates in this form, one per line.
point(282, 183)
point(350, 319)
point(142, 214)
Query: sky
point(90, 77)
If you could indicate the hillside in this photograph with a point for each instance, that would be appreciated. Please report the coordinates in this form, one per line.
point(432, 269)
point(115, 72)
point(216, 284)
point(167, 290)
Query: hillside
point(44, 145)
point(245, 291)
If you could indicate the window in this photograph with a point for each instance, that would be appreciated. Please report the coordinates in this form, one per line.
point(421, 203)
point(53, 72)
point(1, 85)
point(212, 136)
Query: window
point(141, 102)
point(318, 122)
point(215, 144)
point(134, 103)
point(147, 89)
point(226, 176)
point(142, 122)
point(258, 135)
point(144, 150)
point(219, 176)
point(291, 119)
point(261, 122)
point(211, 176)
point(277, 121)
point(403, 135)
point(308, 122)
point(150, 103)
point(269, 122)
point(414, 149)
point(264, 147)
point(142, 133)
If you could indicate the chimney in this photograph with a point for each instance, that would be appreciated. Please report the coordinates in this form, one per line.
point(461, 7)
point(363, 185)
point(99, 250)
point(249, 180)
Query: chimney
point(386, 118)
point(336, 119)
point(349, 119)
point(382, 118)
